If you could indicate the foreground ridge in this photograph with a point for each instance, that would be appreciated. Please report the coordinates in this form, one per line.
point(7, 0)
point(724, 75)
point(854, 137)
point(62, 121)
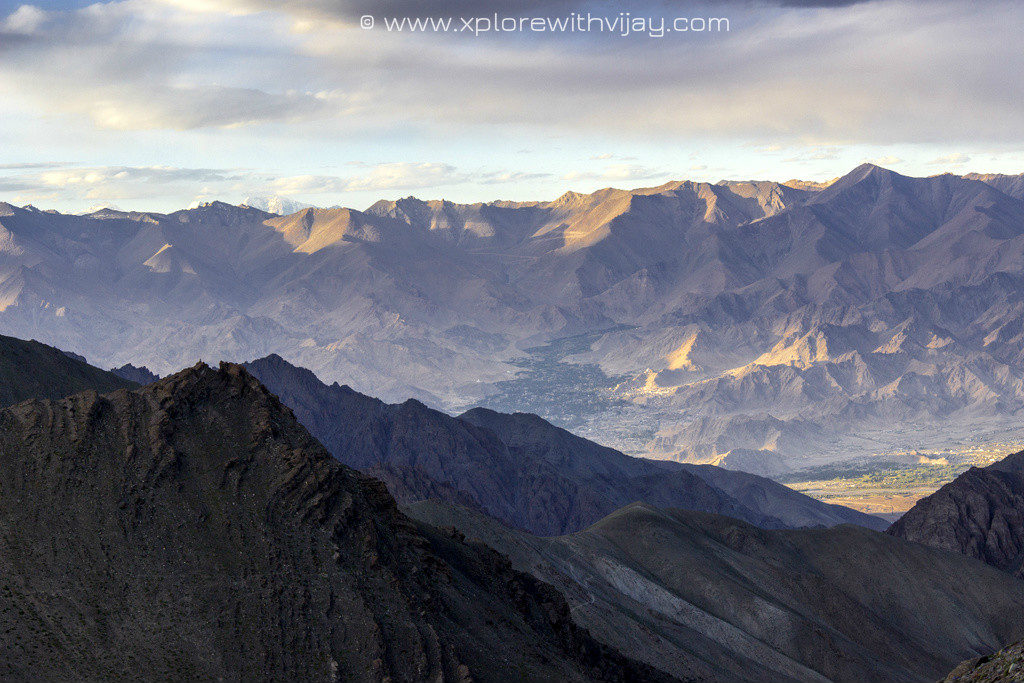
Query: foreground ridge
point(192, 529)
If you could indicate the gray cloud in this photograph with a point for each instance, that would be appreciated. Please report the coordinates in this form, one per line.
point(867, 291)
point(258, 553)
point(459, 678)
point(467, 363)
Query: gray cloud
point(348, 10)
point(33, 165)
point(97, 62)
point(884, 71)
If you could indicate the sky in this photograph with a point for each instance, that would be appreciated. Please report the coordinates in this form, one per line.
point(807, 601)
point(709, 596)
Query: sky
point(160, 104)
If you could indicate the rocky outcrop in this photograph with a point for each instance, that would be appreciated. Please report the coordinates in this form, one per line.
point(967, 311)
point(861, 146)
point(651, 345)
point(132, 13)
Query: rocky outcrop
point(1005, 666)
point(192, 529)
point(979, 514)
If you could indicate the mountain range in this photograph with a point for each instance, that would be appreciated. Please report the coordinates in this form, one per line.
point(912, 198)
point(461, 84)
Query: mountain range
point(979, 514)
point(761, 325)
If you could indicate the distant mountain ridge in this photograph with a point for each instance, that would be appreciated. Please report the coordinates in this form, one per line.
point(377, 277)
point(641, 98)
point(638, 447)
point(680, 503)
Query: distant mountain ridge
point(801, 321)
point(139, 375)
point(520, 468)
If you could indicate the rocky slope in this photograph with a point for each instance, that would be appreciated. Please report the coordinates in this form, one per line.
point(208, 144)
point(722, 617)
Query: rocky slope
point(29, 369)
point(193, 529)
point(979, 514)
point(1005, 666)
point(517, 468)
point(711, 598)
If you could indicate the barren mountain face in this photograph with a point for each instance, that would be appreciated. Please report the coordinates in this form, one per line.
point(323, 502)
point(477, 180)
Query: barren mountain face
point(763, 325)
point(710, 598)
point(192, 530)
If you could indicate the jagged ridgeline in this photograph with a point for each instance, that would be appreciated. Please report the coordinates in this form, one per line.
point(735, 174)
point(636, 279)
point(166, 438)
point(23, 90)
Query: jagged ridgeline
point(764, 325)
point(193, 530)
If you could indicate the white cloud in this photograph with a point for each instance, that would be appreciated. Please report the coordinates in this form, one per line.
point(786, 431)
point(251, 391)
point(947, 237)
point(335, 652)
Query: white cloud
point(69, 183)
point(957, 159)
point(888, 160)
point(616, 173)
point(104, 184)
point(25, 20)
point(378, 178)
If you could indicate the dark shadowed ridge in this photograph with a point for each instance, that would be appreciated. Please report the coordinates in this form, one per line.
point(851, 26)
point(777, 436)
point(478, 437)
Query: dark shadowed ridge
point(193, 530)
point(518, 468)
point(713, 598)
point(29, 369)
point(139, 375)
point(646, 480)
point(979, 514)
point(420, 452)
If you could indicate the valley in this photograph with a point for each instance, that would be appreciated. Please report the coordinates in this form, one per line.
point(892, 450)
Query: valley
point(889, 484)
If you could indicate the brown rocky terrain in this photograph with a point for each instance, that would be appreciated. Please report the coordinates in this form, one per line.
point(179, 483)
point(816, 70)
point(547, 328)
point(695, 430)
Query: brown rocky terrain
point(698, 321)
point(193, 530)
point(1005, 666)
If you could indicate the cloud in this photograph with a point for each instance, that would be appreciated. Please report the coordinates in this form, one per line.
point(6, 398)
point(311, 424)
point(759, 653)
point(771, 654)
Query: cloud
point(128, 67)
point(54, 182)
point(502, 177)
point(888, 160)
point(378, 178)
point(347, 10)
point(616, 173)
point(25, 20)
point(957, 159)
point(606, 157)
point(33, 165)
point(815, 154)
point(882, 72)
point(105, 184)
point(125, 174)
